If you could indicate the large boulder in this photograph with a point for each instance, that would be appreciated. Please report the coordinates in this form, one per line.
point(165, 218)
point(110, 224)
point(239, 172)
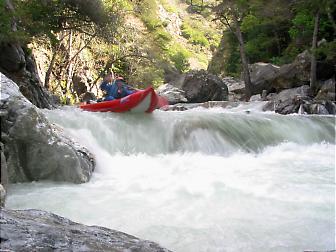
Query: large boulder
point(34, 230)
point(172, 94)
point(200, 86)
point(262, 76)
point(36, 149)
point(275, 79)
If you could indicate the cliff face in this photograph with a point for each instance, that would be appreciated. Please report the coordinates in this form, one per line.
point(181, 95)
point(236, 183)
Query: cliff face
point(17, 64)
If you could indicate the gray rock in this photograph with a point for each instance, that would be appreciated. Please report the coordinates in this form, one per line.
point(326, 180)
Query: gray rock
point(200, 86)
point(262, 76)
point(172, 94)
point(256, 98)
point(318, 109)
point(327, 91)
point(235, 86)
point(289, 100)
point(209, 104)
point(275, 79)
point(34, 230)
point(298, 100)
point(36, 149)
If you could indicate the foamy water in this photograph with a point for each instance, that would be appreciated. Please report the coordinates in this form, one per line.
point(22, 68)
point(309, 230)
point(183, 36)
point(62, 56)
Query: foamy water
point(201, 180)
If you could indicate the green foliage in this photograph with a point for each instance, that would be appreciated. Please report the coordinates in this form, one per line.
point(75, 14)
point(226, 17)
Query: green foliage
point(249, 23)
point(147, 76)
point(303, 25)
point(154, 25)
point(168, 6)
point(179, 56)
point(327, 51)
point(193, 35)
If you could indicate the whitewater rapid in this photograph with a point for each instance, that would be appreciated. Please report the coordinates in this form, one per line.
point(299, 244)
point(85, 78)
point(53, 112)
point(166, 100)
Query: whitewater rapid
point(201, 180)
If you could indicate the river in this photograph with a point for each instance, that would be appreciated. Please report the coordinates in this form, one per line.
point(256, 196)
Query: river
point(201, 180)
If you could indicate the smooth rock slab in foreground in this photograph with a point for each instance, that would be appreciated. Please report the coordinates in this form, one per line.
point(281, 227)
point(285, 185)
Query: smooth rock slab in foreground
point(35, 230)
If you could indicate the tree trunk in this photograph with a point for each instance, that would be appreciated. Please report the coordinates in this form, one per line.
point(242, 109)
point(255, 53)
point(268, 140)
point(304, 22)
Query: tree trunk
point(50, 68)
point(313, 52)
point(70, 64)
point(246, 72)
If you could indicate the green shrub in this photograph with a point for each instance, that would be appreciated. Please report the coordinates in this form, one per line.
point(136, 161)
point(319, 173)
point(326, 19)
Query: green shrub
point(180, 57)
point(193, 35)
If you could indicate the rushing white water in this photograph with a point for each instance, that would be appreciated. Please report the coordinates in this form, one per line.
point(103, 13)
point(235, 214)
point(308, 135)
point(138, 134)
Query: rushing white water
point(201, 180)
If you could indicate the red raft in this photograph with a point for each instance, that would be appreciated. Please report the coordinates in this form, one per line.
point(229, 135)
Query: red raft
point(142, 101)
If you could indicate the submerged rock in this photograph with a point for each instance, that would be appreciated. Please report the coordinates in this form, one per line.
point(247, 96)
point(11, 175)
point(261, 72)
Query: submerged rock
point(36, 149)
point(34, 230)
point(209, 104)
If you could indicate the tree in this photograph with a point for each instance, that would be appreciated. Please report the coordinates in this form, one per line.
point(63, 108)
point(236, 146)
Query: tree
point(318, 18)
point(231, 13)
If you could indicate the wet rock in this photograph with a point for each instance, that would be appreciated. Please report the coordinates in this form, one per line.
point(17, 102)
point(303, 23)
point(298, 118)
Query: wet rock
point(209, 104)
point(34, 230)
point(318, 109)
point(288, 101)
point(327, 91)
point(200, 86)
point(298, 100)
point(172, 94)
point(36, 149)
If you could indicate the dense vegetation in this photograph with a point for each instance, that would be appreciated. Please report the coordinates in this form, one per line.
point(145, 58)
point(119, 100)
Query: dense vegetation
point(276, 31)
point(135, 38)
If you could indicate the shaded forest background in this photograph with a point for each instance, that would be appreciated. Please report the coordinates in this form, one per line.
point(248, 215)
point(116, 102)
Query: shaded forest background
point(150, 42)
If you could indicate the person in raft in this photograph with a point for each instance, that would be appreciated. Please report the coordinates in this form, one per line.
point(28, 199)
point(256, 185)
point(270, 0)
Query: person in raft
point(115, 88)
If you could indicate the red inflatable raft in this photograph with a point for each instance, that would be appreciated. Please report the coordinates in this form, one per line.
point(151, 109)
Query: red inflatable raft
point(141, 101)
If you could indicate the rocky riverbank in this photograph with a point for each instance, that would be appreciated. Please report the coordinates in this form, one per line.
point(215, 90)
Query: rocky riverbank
point(285, 89)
